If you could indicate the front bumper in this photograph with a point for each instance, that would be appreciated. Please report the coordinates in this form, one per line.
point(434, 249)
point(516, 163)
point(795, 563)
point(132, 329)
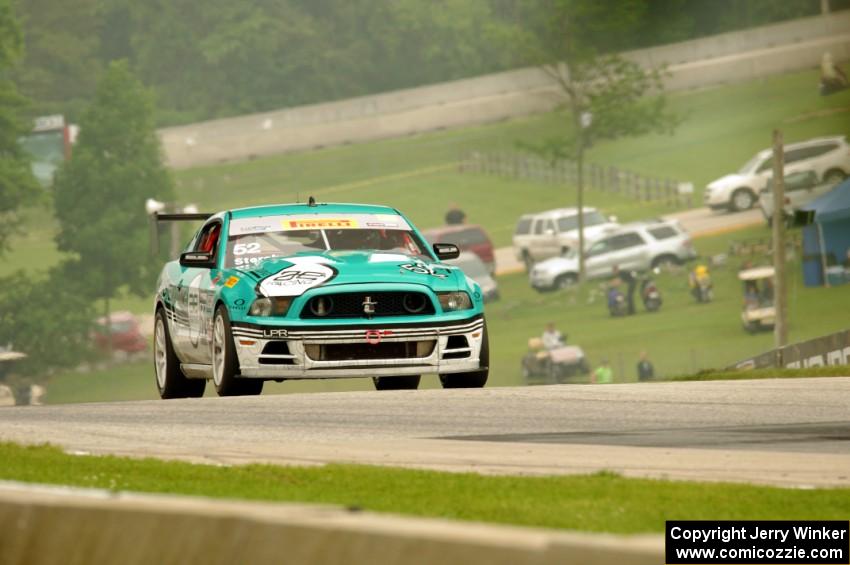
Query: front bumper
point(716, 198)
point(305, 347)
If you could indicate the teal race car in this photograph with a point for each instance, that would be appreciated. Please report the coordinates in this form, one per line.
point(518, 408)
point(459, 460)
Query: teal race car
point(314, 291)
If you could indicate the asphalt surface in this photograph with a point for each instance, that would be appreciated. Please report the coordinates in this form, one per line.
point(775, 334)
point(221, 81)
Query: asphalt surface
point(793, 432)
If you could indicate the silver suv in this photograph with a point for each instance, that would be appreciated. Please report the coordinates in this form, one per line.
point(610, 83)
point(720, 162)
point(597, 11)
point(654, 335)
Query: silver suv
point(637, 246)
point(555, 232)
point(828, 157)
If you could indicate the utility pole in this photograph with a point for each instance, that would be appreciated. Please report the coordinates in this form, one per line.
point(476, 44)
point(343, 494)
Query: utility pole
point(780, 328)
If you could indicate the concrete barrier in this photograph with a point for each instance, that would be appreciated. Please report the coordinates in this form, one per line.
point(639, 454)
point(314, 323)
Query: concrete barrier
point(710, 61)
point(53, 525)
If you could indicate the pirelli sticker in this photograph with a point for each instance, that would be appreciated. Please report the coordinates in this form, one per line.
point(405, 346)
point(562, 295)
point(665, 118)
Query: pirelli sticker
point(320, 223)
point(231, 282)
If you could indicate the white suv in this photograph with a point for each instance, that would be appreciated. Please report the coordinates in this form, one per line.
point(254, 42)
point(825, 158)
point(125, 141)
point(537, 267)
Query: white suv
point(638, 246)
point(554, 232)
point(828, 157)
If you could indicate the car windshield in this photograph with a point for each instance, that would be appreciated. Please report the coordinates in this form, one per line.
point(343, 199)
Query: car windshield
point(266, 239)
point(751, 165)
point(569, 223)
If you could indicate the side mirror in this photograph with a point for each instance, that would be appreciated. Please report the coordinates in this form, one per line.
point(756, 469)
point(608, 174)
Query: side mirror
point(550, 232)
point(197, 259)
point(612, 219)
point(445, 251)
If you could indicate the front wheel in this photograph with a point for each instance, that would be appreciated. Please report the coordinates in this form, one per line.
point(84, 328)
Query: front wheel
point(565, 281)
point(834, 176)
point(170, 380)
point(665, 262)
point(476, 379)
point(225, 363)
point(742, 199)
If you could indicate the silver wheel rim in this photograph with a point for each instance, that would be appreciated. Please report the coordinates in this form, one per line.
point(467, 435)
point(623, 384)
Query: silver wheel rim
point(742, 200)
point(218, 350)
point(159, 353)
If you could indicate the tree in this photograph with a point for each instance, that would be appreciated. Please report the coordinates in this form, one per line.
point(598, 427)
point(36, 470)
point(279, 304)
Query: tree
point(605, 95)
point(17, 185)
point(100, 193)
point(43, 318)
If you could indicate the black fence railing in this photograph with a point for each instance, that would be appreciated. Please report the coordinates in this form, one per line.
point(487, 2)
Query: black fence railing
point(605, 178)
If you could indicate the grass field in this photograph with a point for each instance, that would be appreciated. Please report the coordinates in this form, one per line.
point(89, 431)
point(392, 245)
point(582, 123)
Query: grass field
point(602, 502)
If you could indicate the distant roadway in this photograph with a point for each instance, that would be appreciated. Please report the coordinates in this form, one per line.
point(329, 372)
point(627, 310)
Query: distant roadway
point(699, 222)
point(792, 432)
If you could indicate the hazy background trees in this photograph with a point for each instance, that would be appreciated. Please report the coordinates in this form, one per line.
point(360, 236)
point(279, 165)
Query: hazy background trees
point(253, 55)
point(100, 192)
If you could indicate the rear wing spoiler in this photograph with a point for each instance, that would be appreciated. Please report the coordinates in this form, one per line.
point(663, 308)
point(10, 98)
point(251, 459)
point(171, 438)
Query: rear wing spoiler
point(158, 217)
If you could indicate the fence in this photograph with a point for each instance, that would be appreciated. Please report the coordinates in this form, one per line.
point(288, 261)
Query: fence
point(609, 178)
point(833, 349)
point(759, 247)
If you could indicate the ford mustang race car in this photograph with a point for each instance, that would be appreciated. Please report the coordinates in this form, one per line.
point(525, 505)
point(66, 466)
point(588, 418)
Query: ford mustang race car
point(306, 291)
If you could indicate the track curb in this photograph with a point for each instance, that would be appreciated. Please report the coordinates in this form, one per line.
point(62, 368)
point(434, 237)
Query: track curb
point(49, 524)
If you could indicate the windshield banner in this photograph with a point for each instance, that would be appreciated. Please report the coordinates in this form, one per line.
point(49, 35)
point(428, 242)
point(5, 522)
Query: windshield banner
point(243, 226)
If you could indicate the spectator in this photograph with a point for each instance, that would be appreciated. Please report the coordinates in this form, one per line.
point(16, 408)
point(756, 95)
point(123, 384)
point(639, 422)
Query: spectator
point(603, 374)
point(832, 78)
point(645, 370)
point(552, 338)
point(630, 279)
point(455, 215)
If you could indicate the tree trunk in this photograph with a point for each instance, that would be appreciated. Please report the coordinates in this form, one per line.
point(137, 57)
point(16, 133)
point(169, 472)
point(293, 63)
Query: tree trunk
point(780, 328)
point(108, 327)
point(580, 202)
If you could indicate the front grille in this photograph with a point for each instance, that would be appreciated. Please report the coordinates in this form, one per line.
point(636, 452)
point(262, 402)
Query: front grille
point(351, 305)
point(362, 351)
point(276, 353)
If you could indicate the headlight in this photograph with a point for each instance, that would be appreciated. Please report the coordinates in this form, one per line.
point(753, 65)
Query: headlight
point(454, 301)
point(277, 306)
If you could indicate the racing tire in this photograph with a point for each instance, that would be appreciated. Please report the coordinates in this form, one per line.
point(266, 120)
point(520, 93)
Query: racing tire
point(225, 364)
point(742, 199)
point(406, 382)
point(170, 380)
point(475, 379)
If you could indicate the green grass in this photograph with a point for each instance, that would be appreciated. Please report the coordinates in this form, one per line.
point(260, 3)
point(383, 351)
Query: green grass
point(834, 371)
point(602, 502)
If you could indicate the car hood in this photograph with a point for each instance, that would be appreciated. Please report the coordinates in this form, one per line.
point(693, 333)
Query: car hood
point(556, 265)
point(729, 181)
point(294, 275)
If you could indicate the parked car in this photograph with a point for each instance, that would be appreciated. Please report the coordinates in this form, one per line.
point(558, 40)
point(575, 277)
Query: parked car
point(828, 157)
point(314, 291)
point(555, 232)
point(126, 333)
point(637, 246)
point(475, 269)
point(800, 189)
point(468, 237)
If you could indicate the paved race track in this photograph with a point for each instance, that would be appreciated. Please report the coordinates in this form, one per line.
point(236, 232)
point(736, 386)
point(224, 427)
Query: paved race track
point(793, 432)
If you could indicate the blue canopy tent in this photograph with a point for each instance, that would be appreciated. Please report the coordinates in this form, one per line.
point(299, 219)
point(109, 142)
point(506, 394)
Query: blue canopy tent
point(827, 240)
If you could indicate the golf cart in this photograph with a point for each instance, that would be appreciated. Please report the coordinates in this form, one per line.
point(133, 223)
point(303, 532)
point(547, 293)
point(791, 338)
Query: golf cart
point(758, 313)
point(543, 366)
